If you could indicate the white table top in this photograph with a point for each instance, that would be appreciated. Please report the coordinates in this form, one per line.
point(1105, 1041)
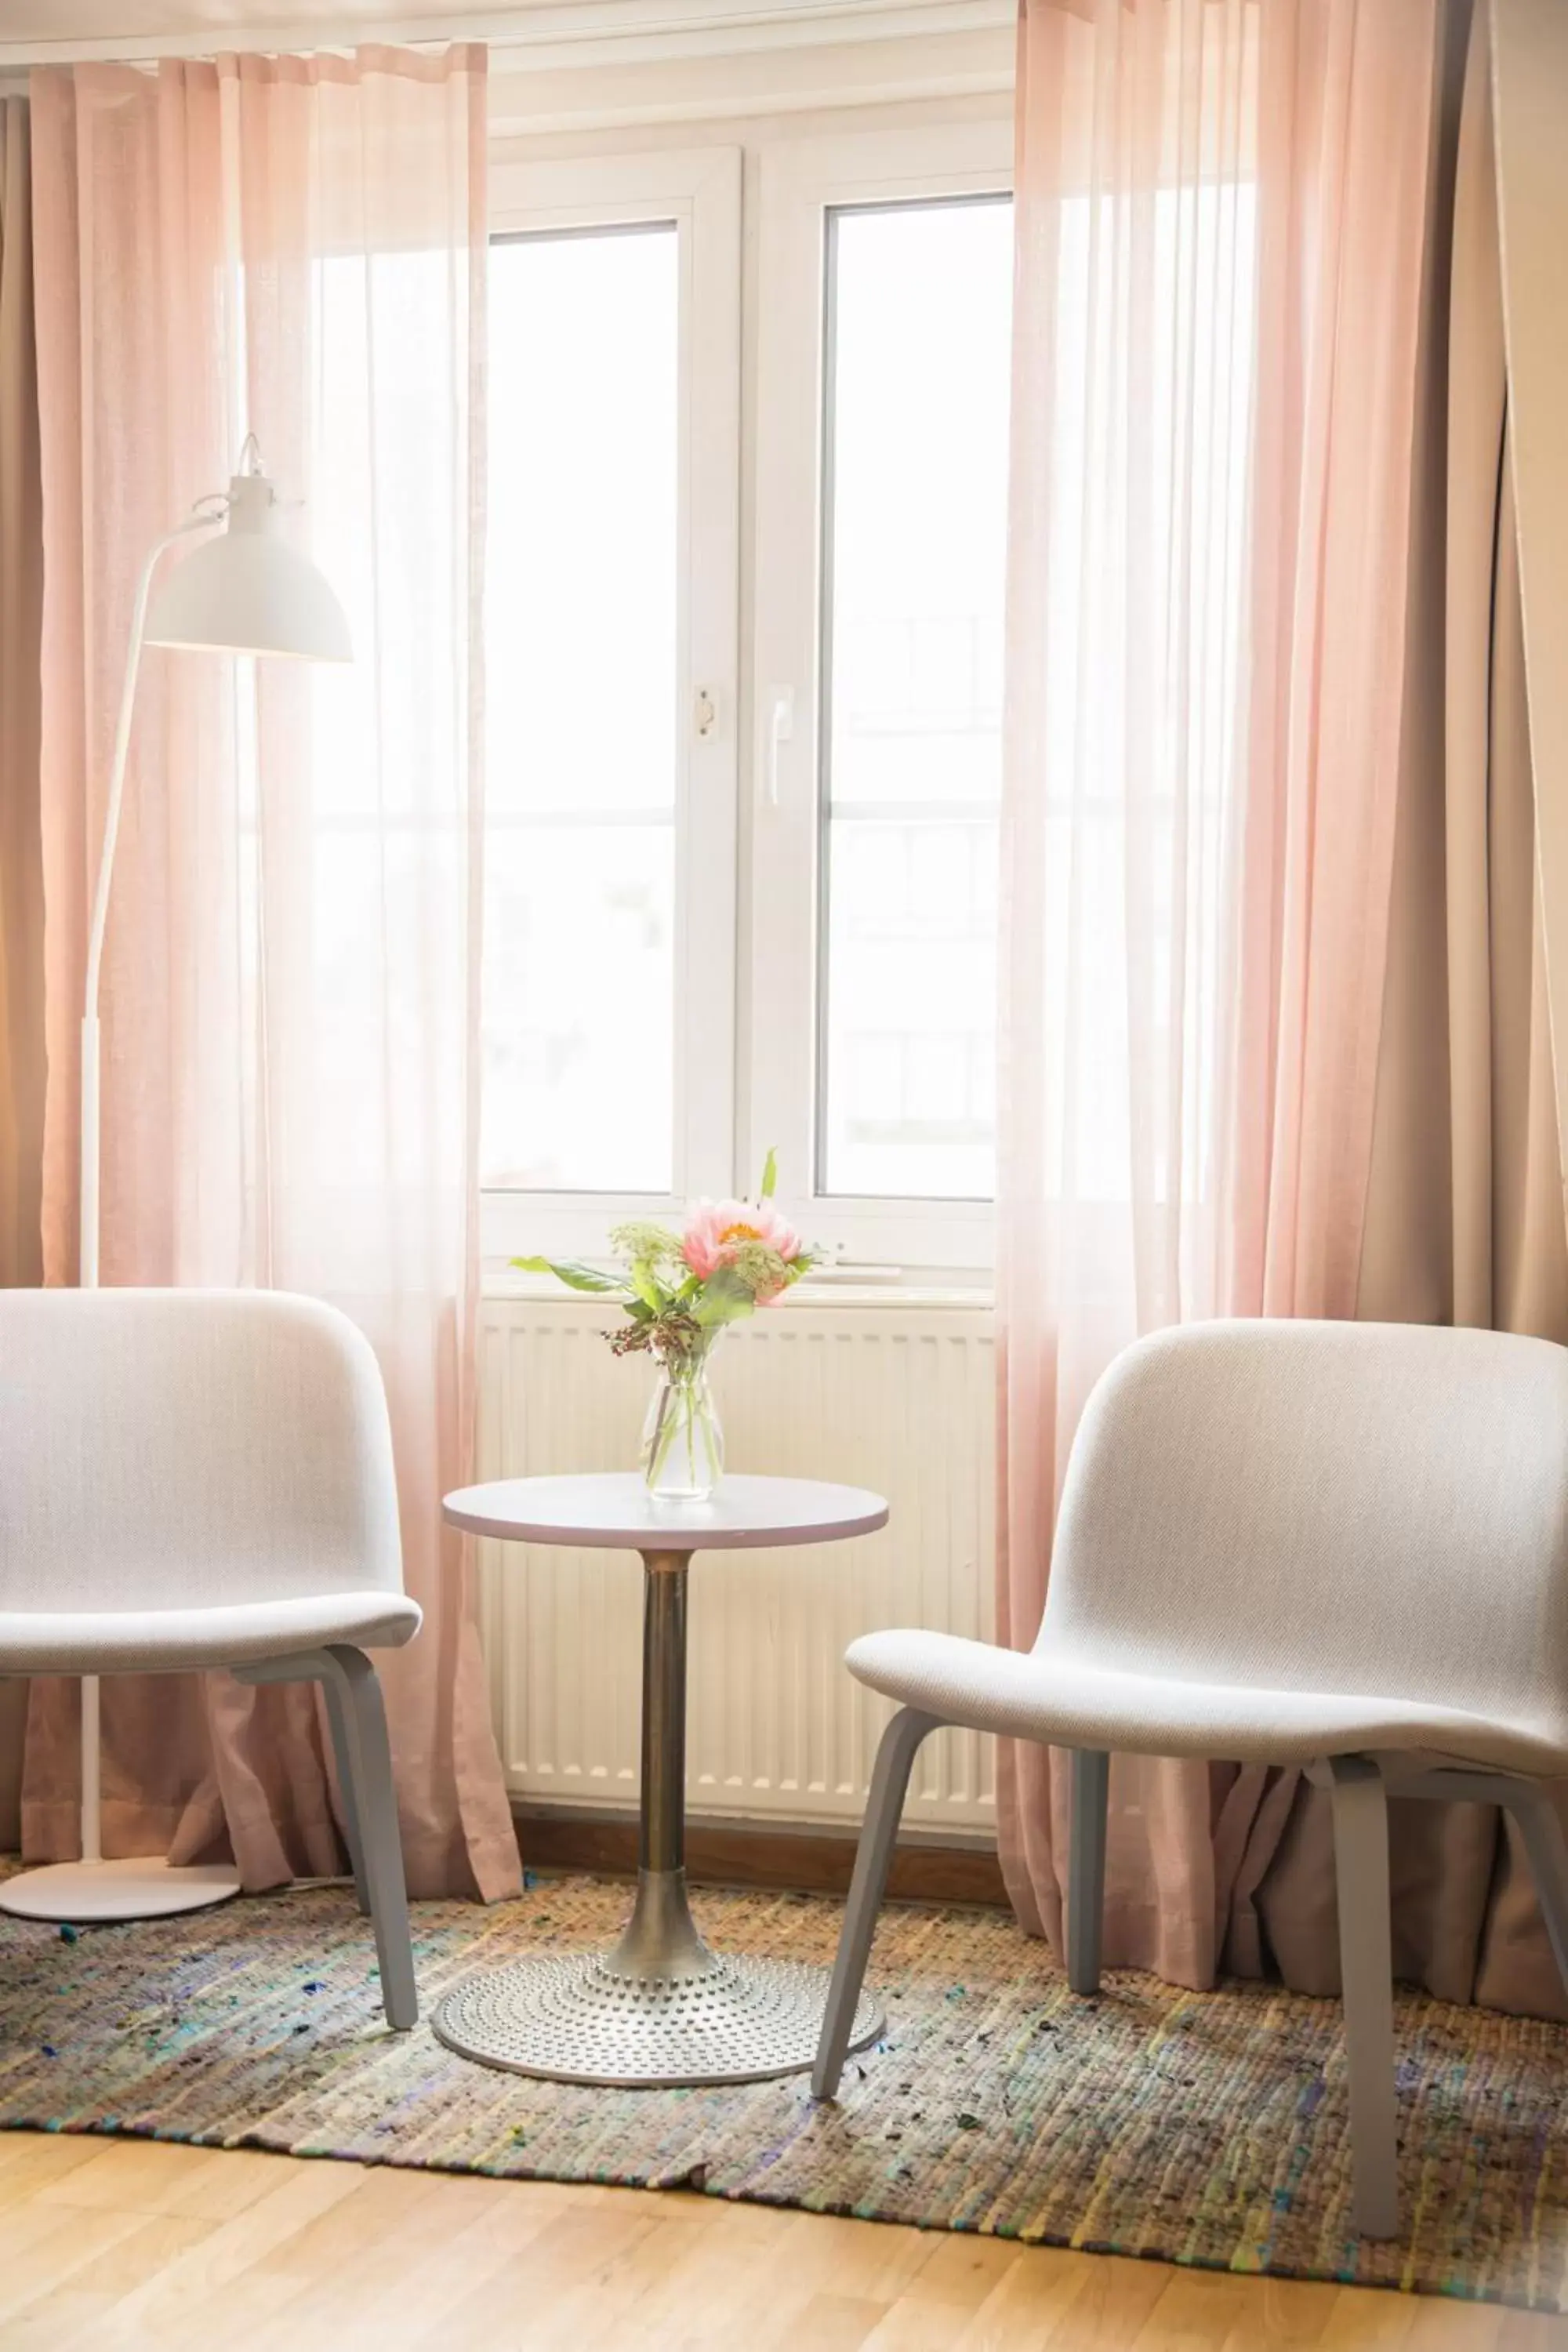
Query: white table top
point(615, 1508)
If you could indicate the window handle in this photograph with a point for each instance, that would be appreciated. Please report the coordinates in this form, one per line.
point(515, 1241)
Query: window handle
point(780, 708)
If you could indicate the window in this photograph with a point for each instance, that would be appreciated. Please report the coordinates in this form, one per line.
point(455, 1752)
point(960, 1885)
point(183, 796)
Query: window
point(743, 894)
point(919, 305)
point(581, 697)
point(612, 586)
point(882, 371)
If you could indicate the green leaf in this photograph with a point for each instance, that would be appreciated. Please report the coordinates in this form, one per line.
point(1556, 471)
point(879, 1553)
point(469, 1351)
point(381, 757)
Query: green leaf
point(724, 1300)
point(770, 1174)
point(575, 1275)
point(646, 1286)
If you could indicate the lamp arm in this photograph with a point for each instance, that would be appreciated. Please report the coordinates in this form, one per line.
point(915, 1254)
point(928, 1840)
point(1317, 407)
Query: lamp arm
point(89, 1038)
point(122, 747)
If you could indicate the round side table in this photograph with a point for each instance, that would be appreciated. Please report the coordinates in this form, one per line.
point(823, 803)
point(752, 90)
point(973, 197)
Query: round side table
point(660, 2008)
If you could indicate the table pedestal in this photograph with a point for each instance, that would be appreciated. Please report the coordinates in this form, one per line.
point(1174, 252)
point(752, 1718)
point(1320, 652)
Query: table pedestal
point(661, 2008)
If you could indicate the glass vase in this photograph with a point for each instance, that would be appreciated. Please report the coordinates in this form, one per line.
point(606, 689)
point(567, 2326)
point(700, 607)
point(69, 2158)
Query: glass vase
point(682, 1444)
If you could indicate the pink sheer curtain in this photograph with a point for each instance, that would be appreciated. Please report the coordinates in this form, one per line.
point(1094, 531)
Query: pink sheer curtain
point(294, 247)
point(1221, 210)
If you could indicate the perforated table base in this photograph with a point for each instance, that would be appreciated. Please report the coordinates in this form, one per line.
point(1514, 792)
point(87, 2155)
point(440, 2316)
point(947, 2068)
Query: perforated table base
point(567, 2018)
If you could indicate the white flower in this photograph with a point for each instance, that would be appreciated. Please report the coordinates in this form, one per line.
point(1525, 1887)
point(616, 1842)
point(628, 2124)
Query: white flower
point(644, 1242)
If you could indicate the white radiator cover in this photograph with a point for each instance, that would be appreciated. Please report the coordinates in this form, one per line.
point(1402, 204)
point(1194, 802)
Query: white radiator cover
point(898, 1395)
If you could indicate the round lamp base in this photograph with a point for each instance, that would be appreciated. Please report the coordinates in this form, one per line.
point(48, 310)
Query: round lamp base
point(92, 1893)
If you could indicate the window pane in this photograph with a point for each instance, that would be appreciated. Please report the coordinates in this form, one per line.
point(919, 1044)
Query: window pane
point(581, 629)
point(577, 1087)
point(920, 313)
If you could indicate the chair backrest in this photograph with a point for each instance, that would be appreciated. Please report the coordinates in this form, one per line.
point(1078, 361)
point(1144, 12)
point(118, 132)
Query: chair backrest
point(161, 1449)
point(1370, 1508)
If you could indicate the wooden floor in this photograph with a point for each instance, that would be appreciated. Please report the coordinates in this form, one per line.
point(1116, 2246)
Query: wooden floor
point(112, 2243)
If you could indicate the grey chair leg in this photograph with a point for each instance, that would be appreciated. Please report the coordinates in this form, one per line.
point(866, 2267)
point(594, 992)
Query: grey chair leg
point(358, 1720)
point(374, 1804)
point(1366, 1966)
point(890, 1778)
point(1086, 1867)
point(338, 1722)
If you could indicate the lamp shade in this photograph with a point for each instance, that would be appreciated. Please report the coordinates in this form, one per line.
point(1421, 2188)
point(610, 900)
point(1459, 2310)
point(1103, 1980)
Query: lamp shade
point(249, 590)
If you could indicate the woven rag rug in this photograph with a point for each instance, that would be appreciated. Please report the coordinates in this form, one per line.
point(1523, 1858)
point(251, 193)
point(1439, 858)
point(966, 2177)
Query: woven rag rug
point(1209, 2130)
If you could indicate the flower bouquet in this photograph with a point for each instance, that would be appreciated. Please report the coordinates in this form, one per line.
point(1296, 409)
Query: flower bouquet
point(679, 1292)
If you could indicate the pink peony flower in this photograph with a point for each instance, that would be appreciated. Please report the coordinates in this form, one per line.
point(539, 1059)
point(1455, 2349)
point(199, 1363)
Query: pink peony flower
point(717, 1228)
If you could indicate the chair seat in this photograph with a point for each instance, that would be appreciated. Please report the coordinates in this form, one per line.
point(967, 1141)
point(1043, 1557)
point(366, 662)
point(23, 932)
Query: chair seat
point(1060, 1701)
point(125, 1640)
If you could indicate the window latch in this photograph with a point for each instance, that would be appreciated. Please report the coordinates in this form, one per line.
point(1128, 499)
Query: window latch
point(780, 708)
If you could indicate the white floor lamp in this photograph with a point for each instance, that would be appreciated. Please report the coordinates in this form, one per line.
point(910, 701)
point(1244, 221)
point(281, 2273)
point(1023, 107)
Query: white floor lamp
point(246, 591)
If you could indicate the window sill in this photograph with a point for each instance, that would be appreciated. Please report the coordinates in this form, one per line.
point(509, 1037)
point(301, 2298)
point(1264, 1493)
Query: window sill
point(910, 1292)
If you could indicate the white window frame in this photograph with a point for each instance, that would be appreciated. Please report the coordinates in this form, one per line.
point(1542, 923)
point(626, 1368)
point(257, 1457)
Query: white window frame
point(699, 191)
point(780, 829)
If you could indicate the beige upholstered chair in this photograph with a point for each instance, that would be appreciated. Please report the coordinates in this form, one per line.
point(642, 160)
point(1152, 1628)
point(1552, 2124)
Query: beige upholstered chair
point(203, 1478)
point(1341, 1545)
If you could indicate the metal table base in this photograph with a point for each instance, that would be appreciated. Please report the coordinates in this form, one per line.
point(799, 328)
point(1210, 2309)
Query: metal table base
point(660, 2008)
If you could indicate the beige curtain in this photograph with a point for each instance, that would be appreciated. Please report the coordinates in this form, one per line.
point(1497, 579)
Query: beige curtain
point(296, 247)
point(1223, 217)
point(1530, 91)
point(1388, 1121)
point(21, 867)
point(21, 603)
point(1465, 1220)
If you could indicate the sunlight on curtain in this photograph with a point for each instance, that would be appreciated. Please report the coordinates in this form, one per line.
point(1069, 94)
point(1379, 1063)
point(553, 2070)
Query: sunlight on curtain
point(1221, 216)
point(291, 973)
point(1146, 505)
point(1135, 331)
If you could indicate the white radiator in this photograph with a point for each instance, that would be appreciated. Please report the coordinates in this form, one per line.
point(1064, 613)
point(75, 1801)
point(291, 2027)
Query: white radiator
point(895, 1395)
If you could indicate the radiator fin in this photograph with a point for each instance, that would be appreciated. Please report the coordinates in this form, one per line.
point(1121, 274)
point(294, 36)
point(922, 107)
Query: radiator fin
point(893, 1397)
